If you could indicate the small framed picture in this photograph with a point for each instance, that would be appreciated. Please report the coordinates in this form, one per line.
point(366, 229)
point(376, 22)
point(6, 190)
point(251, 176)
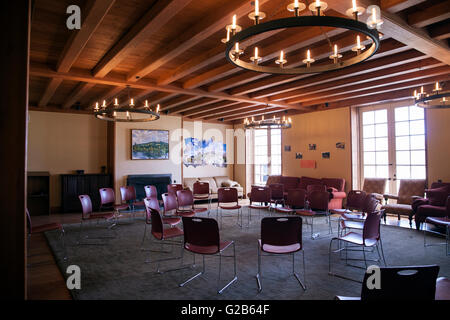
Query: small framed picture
point(312, 146)
point(325, 155)
point(340, 145)
point(287, 148)
point(298, 155)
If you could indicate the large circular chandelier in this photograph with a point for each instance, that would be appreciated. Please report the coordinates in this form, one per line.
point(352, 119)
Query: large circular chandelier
point(235, 35)
point(438, 99)
point(272, 123)
point(126, 113)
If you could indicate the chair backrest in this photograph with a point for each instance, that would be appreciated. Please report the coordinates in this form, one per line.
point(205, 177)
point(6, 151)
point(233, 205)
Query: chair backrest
point(150, 203)
point(107, 196)
point(86, 205)
point(403, 283)
point(318, 200)
point(201, 232)
point(174, 187)
point(128, 193)
point(355, 200)
point(371, 229)
point(29, 225)
point(227, 195)
point(374, 185)
point(157, 224)
point(277, 190)
point(296, 198)
point(201, 187)
point(315, 187)
point(169, 201)
point(409, 188)
point(185, 198)
point(370, 203)
point(151, 192)
point(281, 231)
point(260, 194)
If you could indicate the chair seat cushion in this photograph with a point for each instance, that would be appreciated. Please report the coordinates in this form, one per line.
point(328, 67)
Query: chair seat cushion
point(185, 213)
point(340, 211)
point(353, 216)
point(120, 206)
point(444, 221)
point(431, 211)
point(352, 224)
point(168, 233)
point(284, 210)
point(46, 227)
point(198, 210)
point(305, 213)
point(171, 221)
point(396, 208)
point(201, 196)
point(234, 207)
point(107, 215)
point(437, 196)
point(207, 249)
point(280, 249)
point(255, 206)
point(357, 238)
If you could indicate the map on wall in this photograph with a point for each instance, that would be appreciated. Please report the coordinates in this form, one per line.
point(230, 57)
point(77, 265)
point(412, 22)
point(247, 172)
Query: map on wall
point(204, 152)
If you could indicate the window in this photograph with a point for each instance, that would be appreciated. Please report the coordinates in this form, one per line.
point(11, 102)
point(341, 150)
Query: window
point(393, 144)
point(267, 153)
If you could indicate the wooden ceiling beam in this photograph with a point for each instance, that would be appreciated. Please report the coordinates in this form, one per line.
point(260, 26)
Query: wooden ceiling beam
point(230, 111)
point(150, 23)
point(209, 107)
point(432, 14)
point(440, 31)
point(284, 91)
point(387, 46)
point(394, 6)
point(438, 73)
point(203, 29)
point(192, 105)
point(383, 74)
point(93, 15)
point(41, 70)
point(172, 103)
point(380, 89)
point(80, 90)
point(394, 26)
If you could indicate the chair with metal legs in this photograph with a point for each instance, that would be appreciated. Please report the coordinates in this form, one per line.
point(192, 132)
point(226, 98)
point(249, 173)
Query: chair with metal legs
point(33, 229)
point(227, 199)
point(295, 199)
point(164, 236)
point(370, 238)
point(170, 203)
point(318, 207)
point(443, 222)
point(151, 192)
point(108, 202)
point(201, 236)
point(356, 220)
point(128, 195)
point(276, 194)
point(281, 235)
point(354, 202)
point(153, 204)
point(185, 200)
point(88, 215)
point(202, 192)
point(261, 195)
point(174, 187)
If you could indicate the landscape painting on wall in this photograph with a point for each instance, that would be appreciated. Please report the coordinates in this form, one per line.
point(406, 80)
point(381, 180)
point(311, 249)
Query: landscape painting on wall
point(149, 144)
point(204, 152)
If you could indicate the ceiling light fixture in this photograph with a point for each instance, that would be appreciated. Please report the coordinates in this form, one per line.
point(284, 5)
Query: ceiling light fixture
point(438, 99)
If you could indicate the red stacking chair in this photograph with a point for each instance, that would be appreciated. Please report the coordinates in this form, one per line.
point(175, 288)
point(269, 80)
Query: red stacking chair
point(355, 201)
point(165, 236)
point(108, 200)
point(151, 192)
point(88, 215)
point(442, 222)
point(202, 192)
point(276, 193)
point(201, 236)
point(185, 200)
point(153, 203)
point(261, 195)
point(281, 235)
point(171, 206)
point(295, 200)
point(369, 238)
point(227, 199)
point(128, 194)
point(356, 220)
point(173, 188)
point(44, 228)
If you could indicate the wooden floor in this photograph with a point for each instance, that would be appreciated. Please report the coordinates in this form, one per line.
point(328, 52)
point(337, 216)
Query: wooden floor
point(45, 281)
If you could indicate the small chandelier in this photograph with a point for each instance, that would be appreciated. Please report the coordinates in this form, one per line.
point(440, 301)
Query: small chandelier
point(437, 99)
point(126, 113)
point(235, 35)
point(272, 123)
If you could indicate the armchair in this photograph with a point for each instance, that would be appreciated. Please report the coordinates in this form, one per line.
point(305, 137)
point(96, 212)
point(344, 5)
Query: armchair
point(375, 186)
point(435, 204)
point(408, 191)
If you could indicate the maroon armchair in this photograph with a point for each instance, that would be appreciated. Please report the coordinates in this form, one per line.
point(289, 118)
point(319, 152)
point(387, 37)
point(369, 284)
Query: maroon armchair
point(435, 204)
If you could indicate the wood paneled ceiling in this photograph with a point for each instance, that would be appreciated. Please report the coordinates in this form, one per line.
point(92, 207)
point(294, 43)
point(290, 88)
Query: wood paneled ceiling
point(170, 52)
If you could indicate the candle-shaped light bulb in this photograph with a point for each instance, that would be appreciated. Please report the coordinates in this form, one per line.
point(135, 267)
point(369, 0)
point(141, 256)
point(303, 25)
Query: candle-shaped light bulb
point(96, 106)
point(116, 102)
point(262, 118)
point(374, 14)
point(437, 86)
point(358, 42)
point(289, 120)
point(236, 47)
point(104, 104)
point(253, 119)
point(157, 108)
point(296, 4)
point(335, 50)
point(233, 25)
point(256, 53)
point(281, 55)
point(308, 55)
point(114, 114)
point(317, 3)
point(131, 102)
point(354, 5)
point(146, 103)
point(128, 114)
point(421, 90)
point(415, 93)
point(228, 34)
point(256, 8)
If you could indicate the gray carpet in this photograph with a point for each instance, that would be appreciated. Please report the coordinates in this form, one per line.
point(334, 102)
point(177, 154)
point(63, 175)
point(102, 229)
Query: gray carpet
point(117, 270)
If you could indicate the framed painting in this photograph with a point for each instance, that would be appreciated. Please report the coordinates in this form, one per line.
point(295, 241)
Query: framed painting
point(149, 144)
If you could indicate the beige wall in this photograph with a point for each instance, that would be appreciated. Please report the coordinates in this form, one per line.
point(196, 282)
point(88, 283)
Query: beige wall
point(438, 144)
point(204, 130)
point(124, 166)
point(325, 129)
point(65, 142)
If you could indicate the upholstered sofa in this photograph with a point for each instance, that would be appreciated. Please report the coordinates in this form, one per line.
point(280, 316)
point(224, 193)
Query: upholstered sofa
point(214, 184)
point(435, 204)
point(334, 186)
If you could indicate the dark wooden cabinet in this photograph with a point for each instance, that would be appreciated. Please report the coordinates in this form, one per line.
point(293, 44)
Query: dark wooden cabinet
point(38, 193)
point(72, 185)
